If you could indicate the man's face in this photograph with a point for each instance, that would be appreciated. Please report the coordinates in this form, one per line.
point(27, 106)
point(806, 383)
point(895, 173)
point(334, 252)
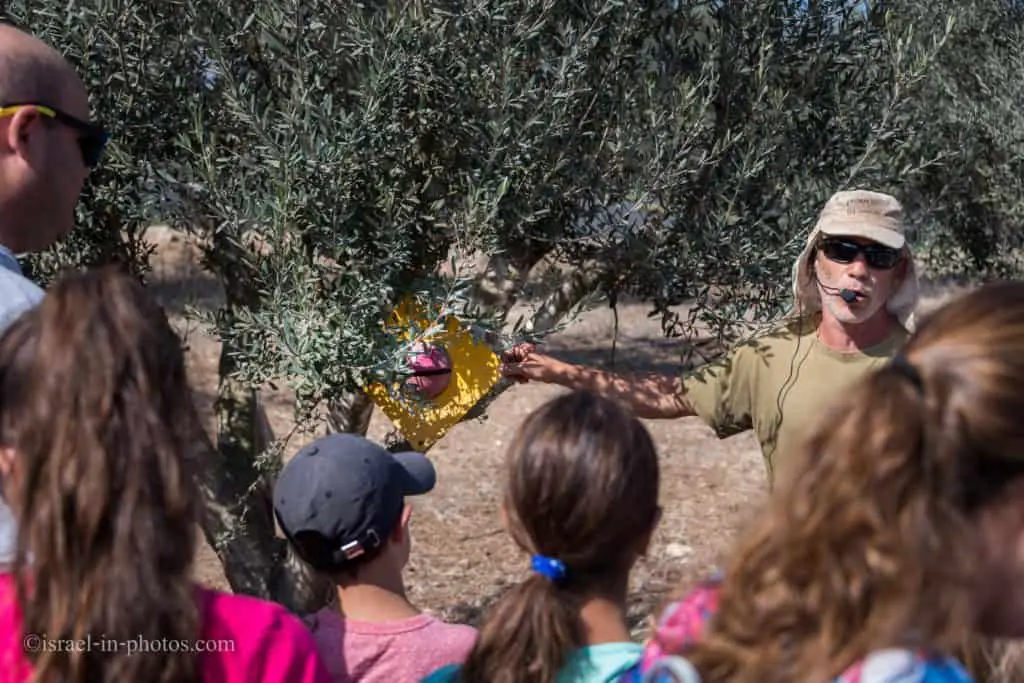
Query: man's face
point(67, 170)
point(867, 268)
point(43, 165)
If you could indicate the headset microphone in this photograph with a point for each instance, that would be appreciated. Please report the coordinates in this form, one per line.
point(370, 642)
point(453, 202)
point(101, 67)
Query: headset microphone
point(847, 295)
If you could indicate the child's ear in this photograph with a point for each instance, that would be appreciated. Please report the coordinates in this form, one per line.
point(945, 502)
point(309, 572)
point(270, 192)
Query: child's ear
point(645, 540)
point(402, 528)
point(503, 514)
point(6, 460)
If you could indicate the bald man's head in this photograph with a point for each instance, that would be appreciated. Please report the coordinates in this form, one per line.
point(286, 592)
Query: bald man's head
point(45, 151)
point(32, 71)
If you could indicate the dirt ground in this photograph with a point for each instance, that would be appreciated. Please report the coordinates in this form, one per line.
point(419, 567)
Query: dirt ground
point(461, 558)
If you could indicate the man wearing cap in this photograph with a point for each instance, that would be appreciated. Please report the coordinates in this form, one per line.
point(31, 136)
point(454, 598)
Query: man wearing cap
point(855, 290)
point(341, 504)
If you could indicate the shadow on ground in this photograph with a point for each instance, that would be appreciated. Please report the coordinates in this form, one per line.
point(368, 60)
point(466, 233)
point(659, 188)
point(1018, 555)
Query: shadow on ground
point(179, 292)
point(652, 358)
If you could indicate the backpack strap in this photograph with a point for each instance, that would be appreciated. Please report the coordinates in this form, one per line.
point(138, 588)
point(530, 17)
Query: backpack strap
point(672, 669)
point(899, 665)
point(683, 622)
point(667, 669)
point(680, 624)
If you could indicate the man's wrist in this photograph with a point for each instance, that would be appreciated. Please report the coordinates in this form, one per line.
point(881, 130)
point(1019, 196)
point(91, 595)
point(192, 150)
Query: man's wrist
point(571, 376)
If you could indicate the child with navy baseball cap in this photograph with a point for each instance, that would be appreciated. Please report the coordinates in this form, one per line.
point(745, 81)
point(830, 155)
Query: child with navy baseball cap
point(341, 503)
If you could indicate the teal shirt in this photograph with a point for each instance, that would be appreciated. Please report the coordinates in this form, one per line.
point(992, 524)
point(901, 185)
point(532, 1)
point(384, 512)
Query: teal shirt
point(592, 664)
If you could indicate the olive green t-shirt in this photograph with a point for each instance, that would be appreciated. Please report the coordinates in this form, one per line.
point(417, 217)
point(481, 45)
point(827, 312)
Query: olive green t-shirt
point(777, 384)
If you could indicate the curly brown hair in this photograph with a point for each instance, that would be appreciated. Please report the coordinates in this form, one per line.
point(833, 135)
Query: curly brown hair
point(873, 542)
point(94, 402)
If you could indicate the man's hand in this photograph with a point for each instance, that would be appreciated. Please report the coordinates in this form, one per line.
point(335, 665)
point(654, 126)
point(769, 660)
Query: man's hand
point(523, 363)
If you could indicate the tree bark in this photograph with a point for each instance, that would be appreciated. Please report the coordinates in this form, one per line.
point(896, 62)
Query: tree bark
point(238, 522)
point(496, 287)
point(505, 274)
point(351, 414)
point(578, 284)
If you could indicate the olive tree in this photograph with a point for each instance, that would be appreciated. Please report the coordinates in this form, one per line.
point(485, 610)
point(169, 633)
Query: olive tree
point(970, 207)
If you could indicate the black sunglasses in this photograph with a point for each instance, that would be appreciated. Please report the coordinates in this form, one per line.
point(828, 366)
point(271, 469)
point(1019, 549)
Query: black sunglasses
point(92, 138)
point(875, 255)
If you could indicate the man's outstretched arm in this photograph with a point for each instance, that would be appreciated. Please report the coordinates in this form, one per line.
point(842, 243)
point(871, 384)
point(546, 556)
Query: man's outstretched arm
point(649, 396)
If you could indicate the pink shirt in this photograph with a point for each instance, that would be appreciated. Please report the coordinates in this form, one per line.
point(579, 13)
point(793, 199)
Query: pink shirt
point(243, 639)
point(387, 652)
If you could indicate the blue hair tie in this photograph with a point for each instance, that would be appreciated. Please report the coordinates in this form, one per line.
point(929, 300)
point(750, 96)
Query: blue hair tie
point(549, 567)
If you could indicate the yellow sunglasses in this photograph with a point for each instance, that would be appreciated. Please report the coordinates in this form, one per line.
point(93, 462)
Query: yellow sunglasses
point(92, 137)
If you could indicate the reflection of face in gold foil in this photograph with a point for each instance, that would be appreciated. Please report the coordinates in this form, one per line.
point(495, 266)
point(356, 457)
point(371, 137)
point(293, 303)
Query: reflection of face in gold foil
point(474, 370)
point(431, 371)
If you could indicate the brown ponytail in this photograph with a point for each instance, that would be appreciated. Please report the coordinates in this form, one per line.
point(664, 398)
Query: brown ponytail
point(527, 636)
point(581, 489)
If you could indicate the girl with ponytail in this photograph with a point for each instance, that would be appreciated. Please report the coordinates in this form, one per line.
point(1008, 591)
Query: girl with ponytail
point(900, 532)
point(581, 497)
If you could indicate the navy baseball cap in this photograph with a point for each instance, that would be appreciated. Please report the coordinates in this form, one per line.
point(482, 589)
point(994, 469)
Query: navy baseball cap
point(341, 496)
